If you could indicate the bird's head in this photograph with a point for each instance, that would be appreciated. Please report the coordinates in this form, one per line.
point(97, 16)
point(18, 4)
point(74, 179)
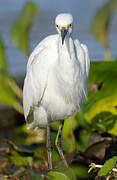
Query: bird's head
point(64, 25)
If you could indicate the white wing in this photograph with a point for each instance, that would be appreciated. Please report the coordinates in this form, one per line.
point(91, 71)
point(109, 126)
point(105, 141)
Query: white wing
point(87, 60)
point(36, 79)
point(83, 57)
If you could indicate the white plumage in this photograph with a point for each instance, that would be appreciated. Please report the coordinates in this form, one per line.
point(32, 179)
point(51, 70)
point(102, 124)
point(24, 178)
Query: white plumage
point(55, 83)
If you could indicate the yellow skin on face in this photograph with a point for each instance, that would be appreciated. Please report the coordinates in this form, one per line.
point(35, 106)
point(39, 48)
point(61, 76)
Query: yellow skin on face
point(66, 27)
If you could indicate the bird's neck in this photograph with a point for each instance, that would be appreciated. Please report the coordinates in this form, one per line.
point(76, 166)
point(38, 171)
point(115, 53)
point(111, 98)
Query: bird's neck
point(64, 49)
point(66, 53)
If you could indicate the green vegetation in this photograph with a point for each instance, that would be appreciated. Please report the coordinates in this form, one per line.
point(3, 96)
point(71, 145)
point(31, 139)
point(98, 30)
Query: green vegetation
point(25, 156)
point(98, 113)
point(107, 166)
point(3, 63)
point(101, 22)
point(19, 35)
point(102, 97)
point(20, 30)
point(8, 86)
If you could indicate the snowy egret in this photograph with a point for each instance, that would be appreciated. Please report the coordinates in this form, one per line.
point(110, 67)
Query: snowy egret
point(55, 83)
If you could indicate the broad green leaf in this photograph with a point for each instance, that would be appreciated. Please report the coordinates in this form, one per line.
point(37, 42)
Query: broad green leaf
point(69, 125)
point(105, 73)
point(54, 175)
point(80, 171)
point(3, 63)
point(8, 87)
point(107, 167)
point(114, 129)
point(67, 144)
point(55, 156)
point(63, 174)
point(104, 121)
point(101, 22)
point(107, 104)
point(68, 139)
point(34, 175)
point(71, 121)
point(54, 125)
point(100, 110)
point(21, 159)
point(84, 139)
point(20, 30)
point(7, 96)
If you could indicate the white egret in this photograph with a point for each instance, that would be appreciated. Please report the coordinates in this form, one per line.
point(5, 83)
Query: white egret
point(55, 83)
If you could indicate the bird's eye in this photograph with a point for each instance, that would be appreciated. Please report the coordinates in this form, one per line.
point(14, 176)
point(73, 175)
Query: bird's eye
point(57, 26)
point(70, 25)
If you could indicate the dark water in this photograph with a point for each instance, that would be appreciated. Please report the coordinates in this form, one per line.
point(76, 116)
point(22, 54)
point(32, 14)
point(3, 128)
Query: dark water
point(82, 11)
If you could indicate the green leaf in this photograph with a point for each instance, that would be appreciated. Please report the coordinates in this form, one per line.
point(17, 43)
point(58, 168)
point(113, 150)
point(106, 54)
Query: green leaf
point(84, 139)
point(102, 19)
point(90, 169)
point(100, 111)
point(107, 167)
point(54, 175)
point(3, 63)
point(20, 30)
point(105, 73)
point(7, 96)
point(21, 158)
point(68, 139)
point(104, 121)
point(34, 175)
point(80, 171)
point(101, 22)
point(107, 104)
point(69, 123)
point(7, 84)
point(64, 174)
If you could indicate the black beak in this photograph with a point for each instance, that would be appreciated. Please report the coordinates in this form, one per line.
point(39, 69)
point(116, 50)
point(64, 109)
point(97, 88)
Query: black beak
point(63, 34)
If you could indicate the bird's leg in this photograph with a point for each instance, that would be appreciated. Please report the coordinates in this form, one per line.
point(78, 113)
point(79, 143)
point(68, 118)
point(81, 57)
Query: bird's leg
point(58, 143)
point(49, 146)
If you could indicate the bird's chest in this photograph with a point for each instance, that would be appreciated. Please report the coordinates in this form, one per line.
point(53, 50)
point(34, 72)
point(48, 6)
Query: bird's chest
point(66, 74)
point(63, 76)
point(66, 69)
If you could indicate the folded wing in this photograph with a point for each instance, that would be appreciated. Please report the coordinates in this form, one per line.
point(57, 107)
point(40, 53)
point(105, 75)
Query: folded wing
point(83, 57)
point(35, 81)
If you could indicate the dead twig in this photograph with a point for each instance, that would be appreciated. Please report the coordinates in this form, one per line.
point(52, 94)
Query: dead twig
point(7, 141)
point(20, 175)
